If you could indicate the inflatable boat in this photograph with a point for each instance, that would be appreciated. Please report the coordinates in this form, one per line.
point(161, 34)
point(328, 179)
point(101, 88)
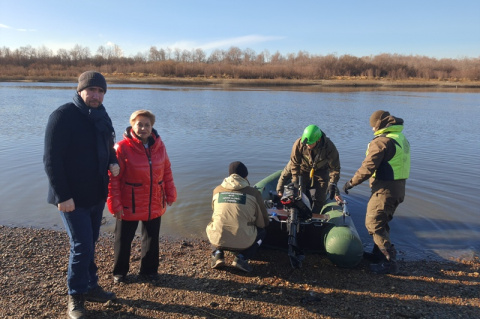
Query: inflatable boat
point(293, 227)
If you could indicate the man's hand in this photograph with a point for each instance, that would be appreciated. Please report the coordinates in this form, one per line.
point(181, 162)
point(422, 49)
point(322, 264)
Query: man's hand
point(114, 169)
point(333, 190)
point(66, 206)
point(347, 186)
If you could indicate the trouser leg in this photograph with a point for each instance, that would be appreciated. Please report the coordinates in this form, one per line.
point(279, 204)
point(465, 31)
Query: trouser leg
point(150, 246)
point(252, 250)
point(83, 228)
point(96, 213)
point(124, 234)
point(320, 196)
point(316, 191)
point(380, 210)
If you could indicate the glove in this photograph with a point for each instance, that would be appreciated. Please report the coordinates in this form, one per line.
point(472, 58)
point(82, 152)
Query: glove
point(333, 190)
point(347, 186)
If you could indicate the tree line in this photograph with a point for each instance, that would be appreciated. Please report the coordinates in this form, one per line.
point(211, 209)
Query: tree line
point(234, 63)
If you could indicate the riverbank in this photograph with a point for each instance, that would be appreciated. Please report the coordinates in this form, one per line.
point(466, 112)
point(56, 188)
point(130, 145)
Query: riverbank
point(33, 266)
point(310, 85)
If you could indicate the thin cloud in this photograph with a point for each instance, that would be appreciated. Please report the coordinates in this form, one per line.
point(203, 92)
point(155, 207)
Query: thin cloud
point(4, 26)
point(225, 43)
point(239, 41)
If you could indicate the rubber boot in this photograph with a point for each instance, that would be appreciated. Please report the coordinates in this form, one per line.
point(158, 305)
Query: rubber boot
point(375, 256)
point(389, 266)
point(76, 306)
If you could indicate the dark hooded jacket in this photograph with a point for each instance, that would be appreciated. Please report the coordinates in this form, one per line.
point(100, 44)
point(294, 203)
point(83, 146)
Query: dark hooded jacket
point(380, 152)
point(323, 158)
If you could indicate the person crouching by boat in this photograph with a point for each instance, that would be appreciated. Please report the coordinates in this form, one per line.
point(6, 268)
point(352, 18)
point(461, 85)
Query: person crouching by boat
point(387, 164)
point(316, 159)
point(238, 221)
point(141, 192)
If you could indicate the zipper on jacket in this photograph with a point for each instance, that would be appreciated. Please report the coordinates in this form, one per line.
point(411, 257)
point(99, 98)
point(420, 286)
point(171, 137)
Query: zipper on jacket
point(147, 151)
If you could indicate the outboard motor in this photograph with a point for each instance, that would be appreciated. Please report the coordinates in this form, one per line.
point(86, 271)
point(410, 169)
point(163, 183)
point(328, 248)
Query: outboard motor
point(299, 210)
point(291, 198)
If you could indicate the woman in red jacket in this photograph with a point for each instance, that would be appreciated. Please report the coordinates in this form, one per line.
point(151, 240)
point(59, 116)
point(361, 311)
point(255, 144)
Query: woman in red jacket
point(141, 192)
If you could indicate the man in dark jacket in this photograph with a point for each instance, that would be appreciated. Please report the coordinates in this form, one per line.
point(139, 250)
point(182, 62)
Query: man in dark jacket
point(387, 164)
point(79, 140)
point(316, 159)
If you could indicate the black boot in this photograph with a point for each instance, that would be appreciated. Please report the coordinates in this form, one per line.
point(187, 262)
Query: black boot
point(76, 306)
point(97, 294)
point(375, 256)
point(389, 266)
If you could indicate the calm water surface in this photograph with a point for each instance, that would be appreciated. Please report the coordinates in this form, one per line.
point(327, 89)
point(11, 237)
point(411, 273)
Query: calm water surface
point(205, 129)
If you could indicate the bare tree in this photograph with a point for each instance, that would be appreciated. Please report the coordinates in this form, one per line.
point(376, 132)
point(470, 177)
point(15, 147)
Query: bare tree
point(63, 55)
point(234, 56)
point(248, 56)
point(44, 53)
point(177, 53)
point(199, 56)
point(216, 56)
point(153, 54)
point(78, 53)
point(102, 52)
point(117, 51)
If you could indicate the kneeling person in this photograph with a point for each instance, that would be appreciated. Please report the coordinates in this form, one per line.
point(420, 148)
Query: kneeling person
point(238, 220)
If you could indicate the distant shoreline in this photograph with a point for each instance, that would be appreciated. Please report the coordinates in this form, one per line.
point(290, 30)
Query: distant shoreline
point(311, 85)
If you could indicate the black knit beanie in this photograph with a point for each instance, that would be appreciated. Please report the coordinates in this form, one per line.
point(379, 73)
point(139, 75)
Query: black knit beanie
point(377, 117)
point(238, 168)
point(91, 78)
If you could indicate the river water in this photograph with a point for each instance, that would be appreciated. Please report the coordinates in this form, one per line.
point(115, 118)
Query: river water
point(205, 129)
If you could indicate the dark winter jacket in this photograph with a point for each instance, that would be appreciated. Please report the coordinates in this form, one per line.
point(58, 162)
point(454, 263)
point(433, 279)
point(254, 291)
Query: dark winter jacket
point(387, 161)
point(73, 139)
point(323, 159)
point(145, 183)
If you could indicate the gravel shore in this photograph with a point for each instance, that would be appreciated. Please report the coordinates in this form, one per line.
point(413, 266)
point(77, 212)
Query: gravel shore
point(33, 267)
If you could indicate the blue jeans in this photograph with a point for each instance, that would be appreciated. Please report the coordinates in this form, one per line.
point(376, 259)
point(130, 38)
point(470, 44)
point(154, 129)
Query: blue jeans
point(83, 228)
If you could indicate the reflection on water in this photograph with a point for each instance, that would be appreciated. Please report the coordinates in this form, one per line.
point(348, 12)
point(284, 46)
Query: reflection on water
point(205, 129)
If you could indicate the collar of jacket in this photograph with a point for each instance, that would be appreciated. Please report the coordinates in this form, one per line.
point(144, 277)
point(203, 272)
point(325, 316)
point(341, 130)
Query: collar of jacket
point(235, 182)
point(131, 135)
point(389, 129)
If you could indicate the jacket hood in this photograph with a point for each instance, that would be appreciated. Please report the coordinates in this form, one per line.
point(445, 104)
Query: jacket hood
point(389, 121)
point(389, 129)
point(235, 182)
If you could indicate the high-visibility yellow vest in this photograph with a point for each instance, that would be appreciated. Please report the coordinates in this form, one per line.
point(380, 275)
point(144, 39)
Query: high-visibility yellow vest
point(398, 167)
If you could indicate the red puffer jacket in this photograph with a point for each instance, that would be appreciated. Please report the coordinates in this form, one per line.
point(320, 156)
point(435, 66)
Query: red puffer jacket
point(145, 183)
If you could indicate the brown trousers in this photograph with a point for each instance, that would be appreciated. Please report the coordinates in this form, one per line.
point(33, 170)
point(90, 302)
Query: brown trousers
point(319, 189)
point(383, 202)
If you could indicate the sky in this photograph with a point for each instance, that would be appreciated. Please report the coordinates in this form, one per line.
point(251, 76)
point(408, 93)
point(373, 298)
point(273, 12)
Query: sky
point(433, 28)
